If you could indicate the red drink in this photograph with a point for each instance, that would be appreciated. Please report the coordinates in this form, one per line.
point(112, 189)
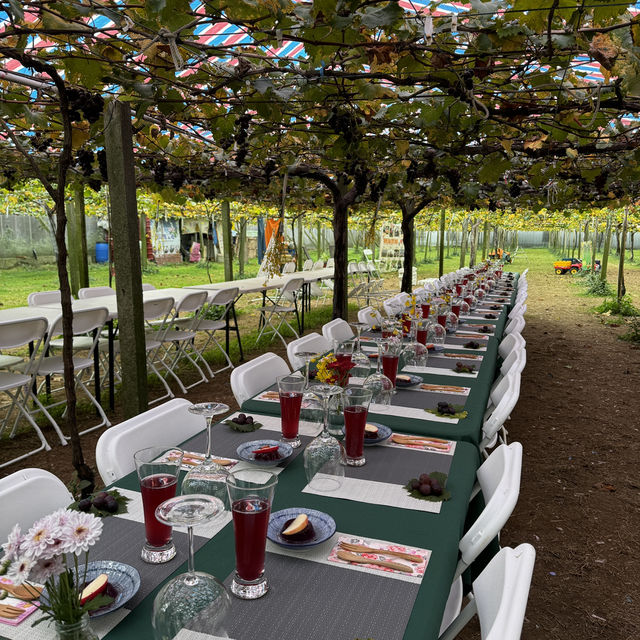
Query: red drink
point(250, 522)
point(355, 419)
point(442, 320)
point(390, 366)
point(406, 324)
point(468, 300)
point(156, 489)
point(456, 309)
point(387, 334)
point(290, 403)
point(343, 358)
point(426, 308)
point(458, 289)
point(421, 336)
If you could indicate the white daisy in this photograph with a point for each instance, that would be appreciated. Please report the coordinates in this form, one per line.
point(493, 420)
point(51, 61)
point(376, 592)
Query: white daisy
point(41, 535)
point(81, 532)
point(11, 547)
point(45, 569)
point(19, 569)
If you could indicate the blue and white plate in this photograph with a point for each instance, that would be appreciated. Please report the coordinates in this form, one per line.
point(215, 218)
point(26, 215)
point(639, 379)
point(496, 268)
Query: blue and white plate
point(124, 578)
point(323, 524)
point(412, 382)
point(245, 452)
point(384, 433)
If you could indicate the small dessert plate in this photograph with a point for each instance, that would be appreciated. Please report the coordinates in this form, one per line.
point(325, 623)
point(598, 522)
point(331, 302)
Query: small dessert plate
point(122, 578)
point(246, 452)
point(412, 380)
point(324, 526)
point(384, 433)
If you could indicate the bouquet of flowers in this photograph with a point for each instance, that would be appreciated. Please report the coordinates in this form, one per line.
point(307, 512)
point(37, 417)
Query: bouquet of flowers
point(333, 371)
point(48, 554)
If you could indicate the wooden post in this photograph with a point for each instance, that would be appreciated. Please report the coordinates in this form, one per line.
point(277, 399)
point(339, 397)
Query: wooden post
point(143, 241)
point(605, 251)
point(225, 210)
point(485, 239)
point(474, 243)
point(77, 241)
point(463, 241)
point(443, 220)
point(78, 199)
point(299, 256)
point(242, 247)
point(623, 242)
point(126, 257)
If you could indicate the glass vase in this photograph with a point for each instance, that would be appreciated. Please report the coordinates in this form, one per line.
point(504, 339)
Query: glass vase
point(80, 630)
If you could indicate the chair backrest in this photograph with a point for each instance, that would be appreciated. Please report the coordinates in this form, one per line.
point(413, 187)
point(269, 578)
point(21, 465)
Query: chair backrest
point(294, 284)
point(147, 287)
point(515, 325)
point(337, 329)
point(508, 343)
point(331, 263)
point(95, 292)
point(519, 309)
point(224, 297)
point(169, 423)
point(252, 377)
point(515, 361)
point(501, 592)
point(289, 267)
point(318, 264)
point(308, 265)
point(311, 342)
point(192, 302)
point(499, 478)
point(30, 494)
point(17, 333)
point(43, 297)
point(370, 315)
point(503, 398)
point(84, 321)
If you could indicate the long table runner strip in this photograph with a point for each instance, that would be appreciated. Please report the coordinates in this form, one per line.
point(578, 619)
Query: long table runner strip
point(382, 410)
point(443, 368)
point(307, 600)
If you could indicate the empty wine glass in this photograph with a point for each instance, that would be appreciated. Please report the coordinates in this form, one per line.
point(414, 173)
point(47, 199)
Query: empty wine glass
point(362, 363)
point(323, 457)
point(436, 334)
point(194, 600)
point(209, 476)
point(307, 356)
point(380, 386)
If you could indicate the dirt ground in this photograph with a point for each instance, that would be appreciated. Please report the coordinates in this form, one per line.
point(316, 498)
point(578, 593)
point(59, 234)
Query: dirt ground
point(577, 419)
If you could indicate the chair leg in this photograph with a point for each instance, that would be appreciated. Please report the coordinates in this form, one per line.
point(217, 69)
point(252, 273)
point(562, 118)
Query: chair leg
point(169, 393)
point(105, 421)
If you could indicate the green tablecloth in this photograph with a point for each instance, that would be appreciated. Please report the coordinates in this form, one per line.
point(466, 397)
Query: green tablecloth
point(438, 532)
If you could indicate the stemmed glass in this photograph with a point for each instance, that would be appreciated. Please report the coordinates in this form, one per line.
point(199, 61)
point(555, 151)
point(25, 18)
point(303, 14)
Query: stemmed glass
point(194, 599)
point(323, 456)
point(381, 387)
point(307, 356)
point(359, 358)
point(208, 477)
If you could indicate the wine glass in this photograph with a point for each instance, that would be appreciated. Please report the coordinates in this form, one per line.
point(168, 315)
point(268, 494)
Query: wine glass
point(209, 476)
point(194, 600)
point(307, 356)
point(359, 358)
point(323, 456)
point(381, 387)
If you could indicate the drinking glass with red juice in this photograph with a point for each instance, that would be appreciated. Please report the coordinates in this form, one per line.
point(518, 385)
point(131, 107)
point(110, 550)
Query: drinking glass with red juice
point(356, 406)
point(158, 469)
point(290, 390)
point(251, 496)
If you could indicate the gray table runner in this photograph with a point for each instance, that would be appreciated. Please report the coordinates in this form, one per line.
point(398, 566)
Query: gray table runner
point(306, 601)
point(122, 540)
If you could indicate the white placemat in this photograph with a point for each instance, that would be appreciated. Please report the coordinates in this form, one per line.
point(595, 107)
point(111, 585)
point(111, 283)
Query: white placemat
point(426, 449)
point(439, 372)
point(408, 412)
point(371, 492)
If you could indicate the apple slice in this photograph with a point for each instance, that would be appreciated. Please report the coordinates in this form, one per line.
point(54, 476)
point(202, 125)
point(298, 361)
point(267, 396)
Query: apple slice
point(267, 449)
point(94, 588)
point(403, 377)
point(370, 430)
point(298, 525)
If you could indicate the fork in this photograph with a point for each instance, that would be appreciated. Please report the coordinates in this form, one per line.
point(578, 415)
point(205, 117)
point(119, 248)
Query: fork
point(361, 548)
point(9, 612)
point(20, 591)
point(354, 557)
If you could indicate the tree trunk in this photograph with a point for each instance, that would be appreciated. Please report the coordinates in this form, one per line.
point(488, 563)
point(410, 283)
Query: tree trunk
point(226, 240)
point(242, 248)
point(299, 252)
point(443, 220)
point(319, 241)
point(143, 241)
point(485, 239)
point(474, 244)
point(605, 251)
point(622, 290)
point(126, 256)
point(408, 237)
point(341, 258)
point(631, 235)
point(463, 242)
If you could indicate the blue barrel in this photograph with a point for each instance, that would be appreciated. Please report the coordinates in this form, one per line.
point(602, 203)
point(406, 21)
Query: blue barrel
point(102, 252)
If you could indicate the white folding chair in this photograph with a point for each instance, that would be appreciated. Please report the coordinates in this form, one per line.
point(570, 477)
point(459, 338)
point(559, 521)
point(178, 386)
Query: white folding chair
point(181, 338)
point(252, 377)
point(311, 342)
point(515, 362)
point(509, 342)
point(223, 301)
point(308, 265)
point(499, 596)
point(515, 325)
point(15, 334)
point(278, 309)
point(289, 267)
point(148, 287)
point(28, 495)
point(518, 309)
point(503, 399)
point(85, 322)
point(337, 330)
point(170, 423)
point(95, 292)
point(38, 298)
point(370, 316)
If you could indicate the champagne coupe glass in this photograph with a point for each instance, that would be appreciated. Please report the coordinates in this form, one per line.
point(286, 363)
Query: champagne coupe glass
point(359, 358)
point(194, 600)
point(323, 456)
point(158, 469)
point(251, 495)
point(209, 476)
